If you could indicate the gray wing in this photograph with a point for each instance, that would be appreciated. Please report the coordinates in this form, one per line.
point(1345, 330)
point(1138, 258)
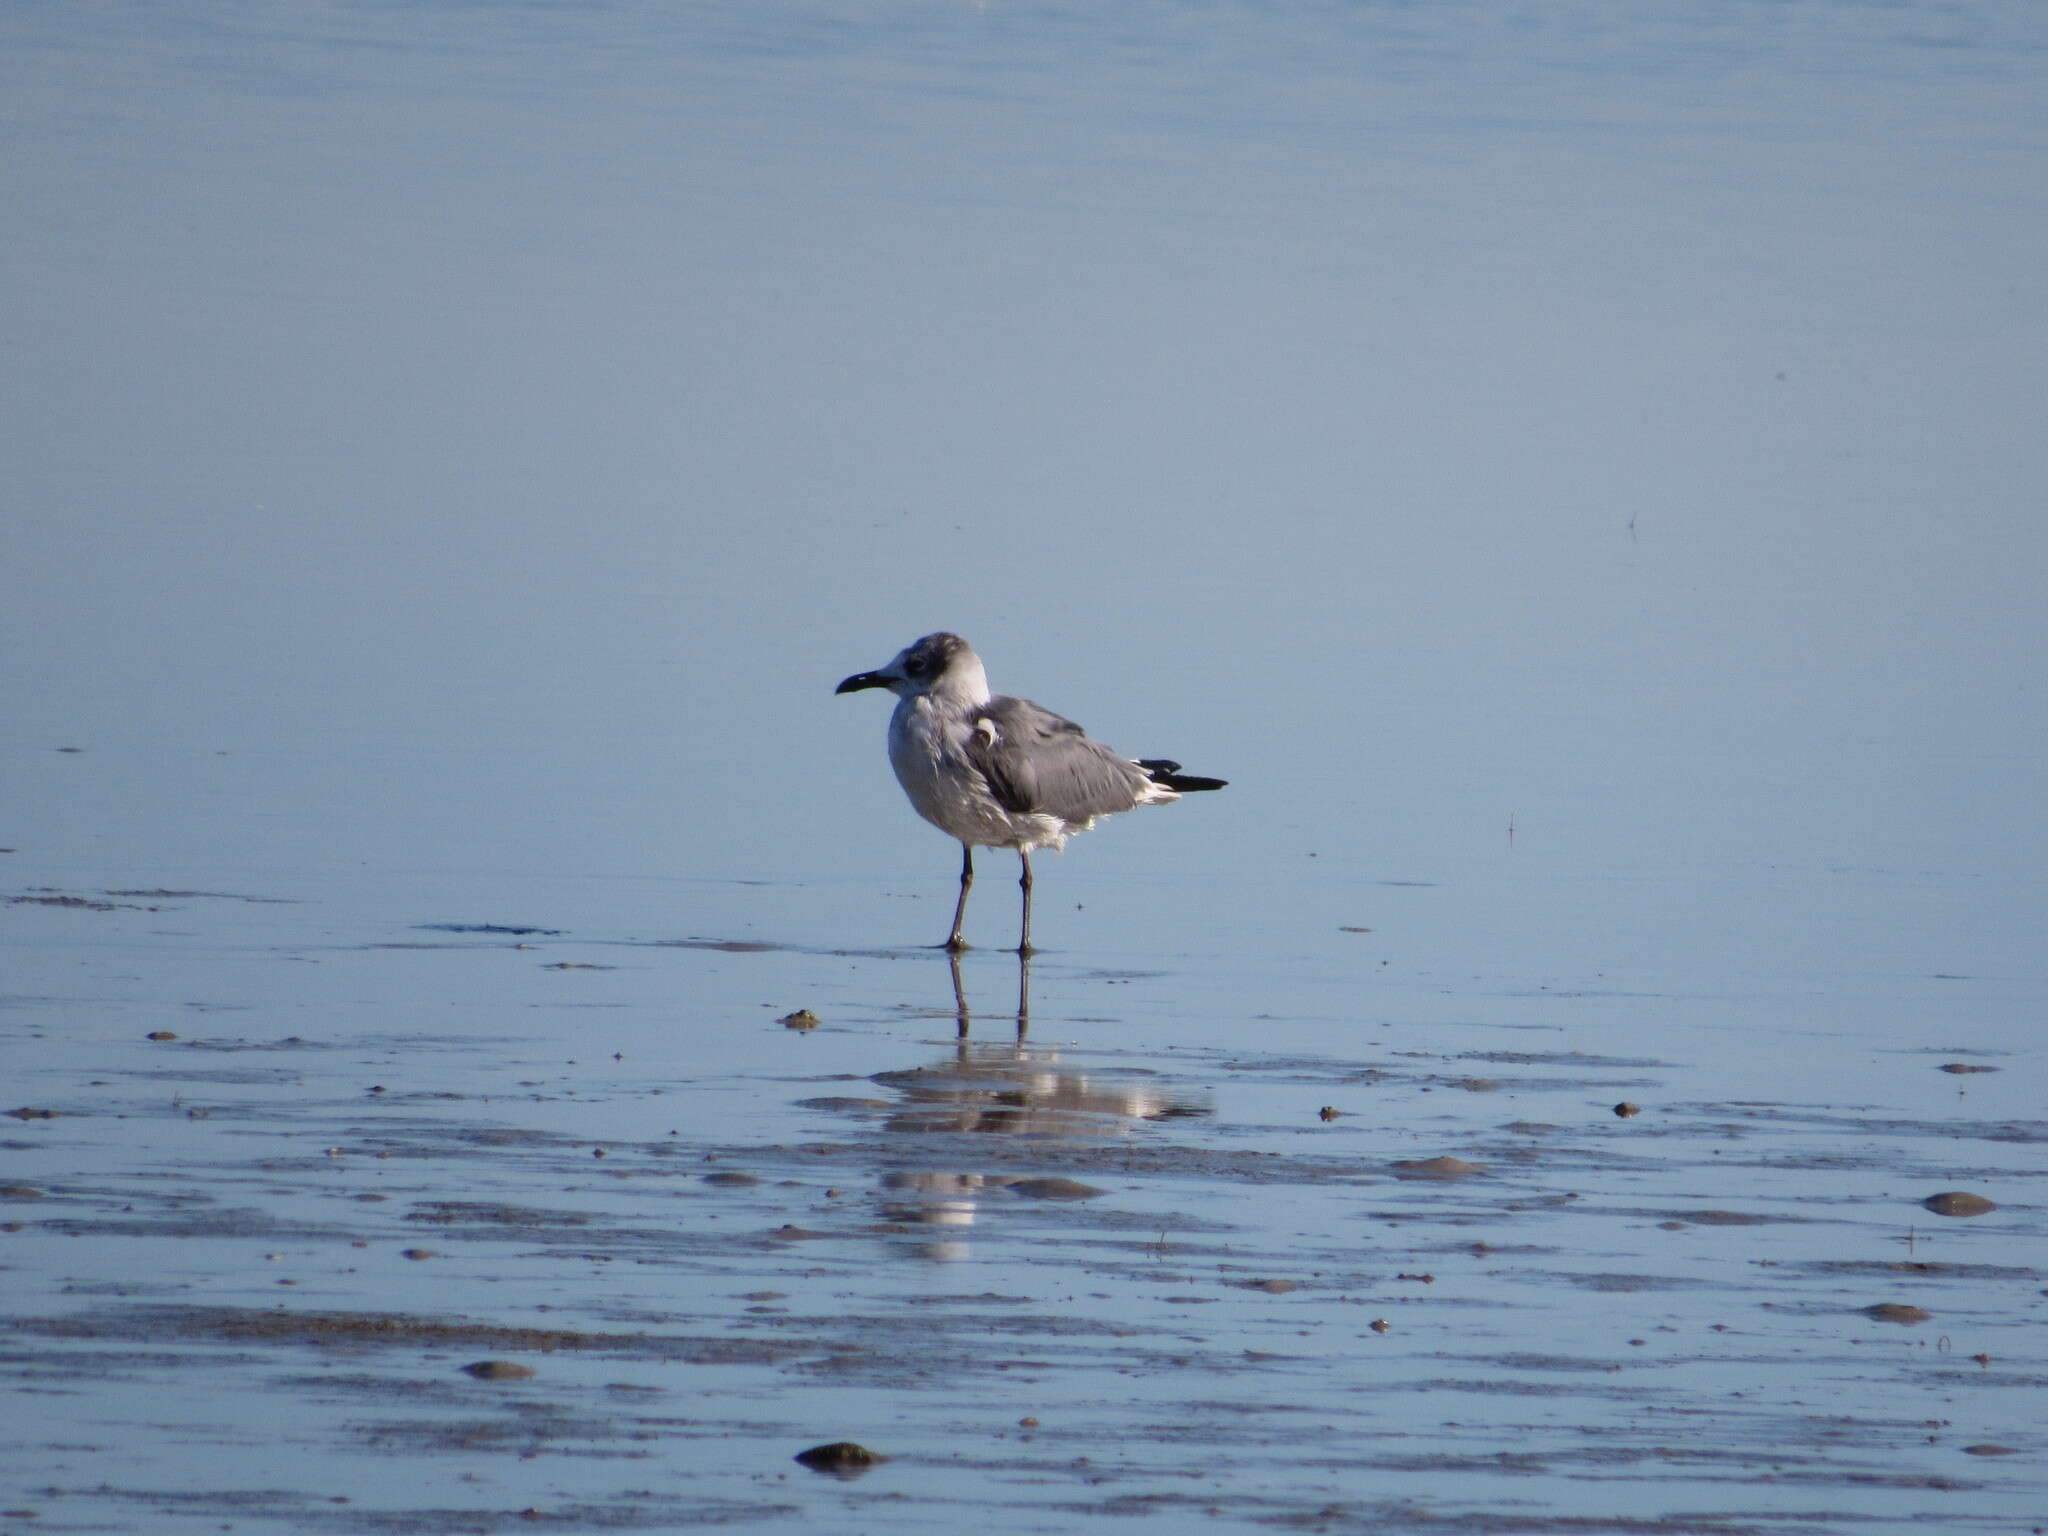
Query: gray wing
point(1041, 762)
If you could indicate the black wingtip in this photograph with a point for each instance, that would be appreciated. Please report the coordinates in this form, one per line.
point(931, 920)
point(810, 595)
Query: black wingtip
point(1167, 775)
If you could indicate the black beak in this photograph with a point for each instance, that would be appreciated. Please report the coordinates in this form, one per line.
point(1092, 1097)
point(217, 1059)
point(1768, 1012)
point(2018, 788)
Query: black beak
point(861, 680)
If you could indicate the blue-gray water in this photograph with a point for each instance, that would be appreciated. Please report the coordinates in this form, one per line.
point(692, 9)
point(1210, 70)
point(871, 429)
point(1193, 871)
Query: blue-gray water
point(1575, 469)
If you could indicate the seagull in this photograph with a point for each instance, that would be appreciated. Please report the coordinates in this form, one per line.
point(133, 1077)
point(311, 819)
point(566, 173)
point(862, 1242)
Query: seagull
point(1000, 772)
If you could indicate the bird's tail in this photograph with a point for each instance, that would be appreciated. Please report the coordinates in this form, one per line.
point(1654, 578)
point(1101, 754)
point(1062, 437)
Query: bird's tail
point(1168, 776)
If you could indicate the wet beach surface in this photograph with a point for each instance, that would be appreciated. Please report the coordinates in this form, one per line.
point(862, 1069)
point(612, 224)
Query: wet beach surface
point(469, 1058)
point(320, 1224)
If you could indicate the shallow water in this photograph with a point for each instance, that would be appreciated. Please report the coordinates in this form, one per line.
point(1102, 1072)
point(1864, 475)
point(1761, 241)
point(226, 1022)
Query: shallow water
point(1123, 1264)
point(1576, 475)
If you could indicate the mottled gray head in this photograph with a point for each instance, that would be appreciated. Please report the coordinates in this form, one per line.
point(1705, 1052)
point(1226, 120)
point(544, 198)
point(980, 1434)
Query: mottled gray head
point(939, 663)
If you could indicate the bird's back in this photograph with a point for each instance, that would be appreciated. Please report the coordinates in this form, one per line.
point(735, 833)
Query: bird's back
point(1037, 761)
point(1008, 773)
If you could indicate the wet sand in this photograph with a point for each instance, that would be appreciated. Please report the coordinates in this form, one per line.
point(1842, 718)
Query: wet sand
point(312, 1229)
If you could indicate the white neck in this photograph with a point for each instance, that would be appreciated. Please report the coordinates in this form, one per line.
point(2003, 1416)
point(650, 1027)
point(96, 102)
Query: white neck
point(965, 683)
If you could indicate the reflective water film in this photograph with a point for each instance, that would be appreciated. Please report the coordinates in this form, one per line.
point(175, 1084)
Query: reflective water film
point(474, 1054)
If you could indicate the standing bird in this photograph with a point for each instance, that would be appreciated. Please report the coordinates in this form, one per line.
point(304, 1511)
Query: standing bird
point(999, 772)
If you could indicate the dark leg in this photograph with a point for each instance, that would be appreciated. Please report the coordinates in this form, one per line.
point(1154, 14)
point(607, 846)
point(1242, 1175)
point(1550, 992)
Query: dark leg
point(953, 940)
point(1023, 995)
point(1024, 882)
point(959, 994)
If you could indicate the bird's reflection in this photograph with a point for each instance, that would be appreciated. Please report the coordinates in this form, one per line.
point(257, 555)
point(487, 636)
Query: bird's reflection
point(1013, 1089)
point(960, 1010)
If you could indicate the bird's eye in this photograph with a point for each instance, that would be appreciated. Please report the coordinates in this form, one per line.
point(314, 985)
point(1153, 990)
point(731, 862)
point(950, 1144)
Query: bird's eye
point(915, 666)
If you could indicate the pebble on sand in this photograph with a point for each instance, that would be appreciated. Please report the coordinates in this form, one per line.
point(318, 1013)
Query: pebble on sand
point(1898, 1312)
point(497, 1370)
point(1437, 1168)
point(1055, 1189)
point(841, 1457)
point(1958, 1202)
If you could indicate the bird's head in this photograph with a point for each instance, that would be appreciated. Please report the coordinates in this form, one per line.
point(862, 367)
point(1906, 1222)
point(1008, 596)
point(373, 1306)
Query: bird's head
point(942, 663)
